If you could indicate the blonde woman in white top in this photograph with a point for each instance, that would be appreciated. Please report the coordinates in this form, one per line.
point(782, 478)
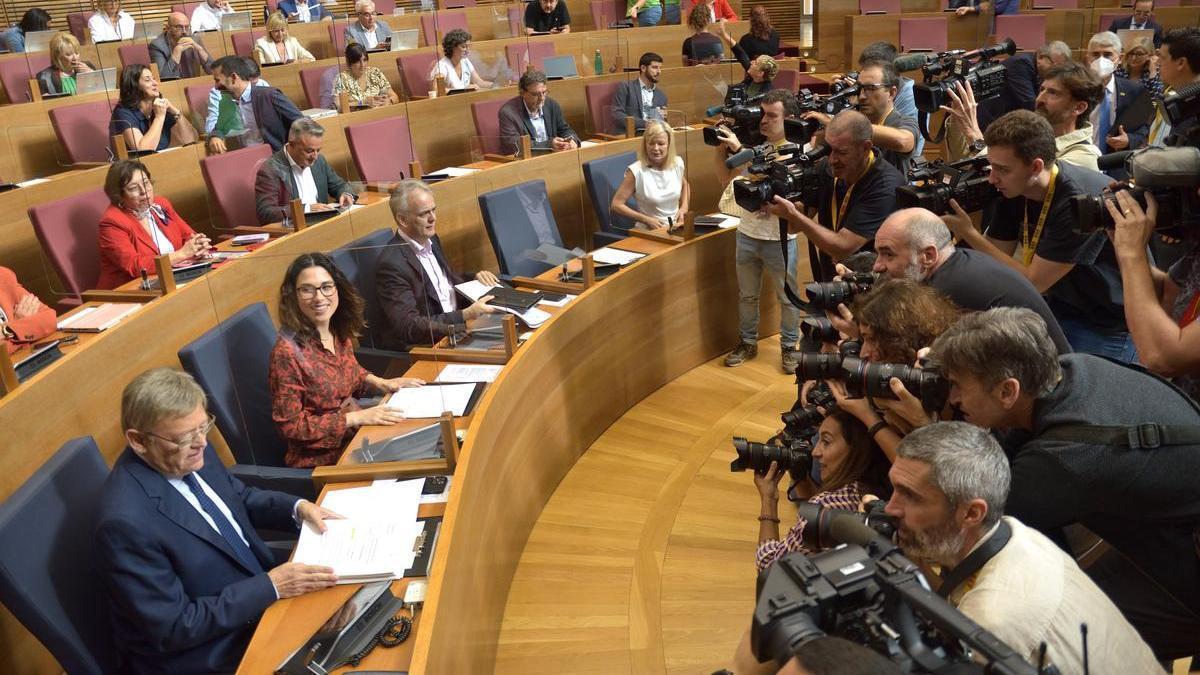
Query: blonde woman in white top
point(277, 46)
point(455, 67)
point(656, 181)
point(110, 23)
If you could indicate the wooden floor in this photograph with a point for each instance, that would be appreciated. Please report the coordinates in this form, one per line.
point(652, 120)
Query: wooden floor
point(643, 560)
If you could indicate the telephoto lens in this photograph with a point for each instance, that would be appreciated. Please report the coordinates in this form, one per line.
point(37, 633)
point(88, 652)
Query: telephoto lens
point(800, 419)
point(819, 367)
point(796, 459)
point(866, 379)
point(820, 329)
point(830, 294)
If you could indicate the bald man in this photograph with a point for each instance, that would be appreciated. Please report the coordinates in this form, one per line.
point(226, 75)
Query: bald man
point(915, 244)
point(177, 53)
point(858, 191)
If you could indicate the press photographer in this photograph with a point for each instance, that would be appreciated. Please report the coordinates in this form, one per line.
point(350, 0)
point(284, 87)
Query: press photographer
point(758, 247)
point(1076, 272)
point(1179, 68)
point(1091, 442)
point(858, 190)
point(915, 244)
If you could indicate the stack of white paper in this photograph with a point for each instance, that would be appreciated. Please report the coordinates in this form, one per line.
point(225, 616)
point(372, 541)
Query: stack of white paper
point(468, 372)
point(614, 256)
point(419, 402)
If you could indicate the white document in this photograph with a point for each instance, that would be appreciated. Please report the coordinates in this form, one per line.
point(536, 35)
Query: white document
point(456, 171)
point(728, 222)
point(247, 239)
point(587, 144)
point(32, 181)
point(468, 372)
point(421, 402)
point(614, 256)
point(473, 289)
point(533, 317)
point(358, 550)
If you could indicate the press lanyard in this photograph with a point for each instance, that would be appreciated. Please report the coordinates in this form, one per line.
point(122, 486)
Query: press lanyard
point(839, 213)
point(1030, 247)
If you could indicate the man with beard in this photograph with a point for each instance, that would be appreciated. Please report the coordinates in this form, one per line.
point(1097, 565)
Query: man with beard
point(641, 98)
point(1067, 97)
point(915, 244)
point(950, 483)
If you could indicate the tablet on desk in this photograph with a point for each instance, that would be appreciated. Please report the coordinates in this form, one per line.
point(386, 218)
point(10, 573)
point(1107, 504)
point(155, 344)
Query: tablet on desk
point(321, 216)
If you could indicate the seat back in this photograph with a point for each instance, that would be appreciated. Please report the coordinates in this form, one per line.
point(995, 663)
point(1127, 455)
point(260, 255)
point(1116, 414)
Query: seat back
point(381, 149)
point(243, 42)
point(77, 23)
point(310, 81)
point(16, 72)
point(230, 180)
point(358, 260)
point(1027, 30)
point(437, 24)
point(525, 53)
point(518, 220)
point(414, 72)
point(138, 52)
point(457, 4)
point(197, 99)
point(924, 34)
point(1107, 19)
point(878, 6)
point(1057, 4)
point(604, 13)
point(46, 575)
point(82, 130)
point(599, 104)
point(67, 230)
point(231, 362)
point(814, 84)
point(385, 7)
point(787, 79)
point(516, 17)
point(603, 176)
point(186, 7)
point(337, 37)
point(486, 115)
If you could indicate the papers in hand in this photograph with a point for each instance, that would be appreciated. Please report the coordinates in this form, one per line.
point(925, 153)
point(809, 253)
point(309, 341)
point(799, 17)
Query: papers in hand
point(97, 319)
point(418, 402)
point(466, 372)
point(614, 256)
point(473, 289)
point(532, 317)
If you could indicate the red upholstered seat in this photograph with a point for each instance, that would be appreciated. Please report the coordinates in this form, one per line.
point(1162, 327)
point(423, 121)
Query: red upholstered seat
point(921, 34)
point(385, 7)
point(230, 180)
point(486, 115)
point(457, 4)
point(16, 72)
point(77, 23)
point(197, 100)
point(82, 130)
point(605, 13)
point(599, 103)
point(787, 79)
point(1027, 30)
point(521, 55)
point(814, 84)
point(337, 36)
point(134, 53)
point(516, 17)
point(414, 72)
point(437, 24)
point(310, 80)
point(883, 6)
point(67, 229)
point(243, 42)
point(381, 149)
point(1107, 18)
point(185, 7)
point(1056, 4)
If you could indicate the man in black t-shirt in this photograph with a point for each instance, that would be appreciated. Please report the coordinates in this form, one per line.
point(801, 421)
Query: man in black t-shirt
point(1096, 443)
point(547, 16)
point(895, 135)
point(1076, 272)
point(915, 244)
point(858, 191)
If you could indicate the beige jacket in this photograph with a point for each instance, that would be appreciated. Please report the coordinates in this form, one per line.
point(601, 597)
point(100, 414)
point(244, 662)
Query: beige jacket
point(1076, 148)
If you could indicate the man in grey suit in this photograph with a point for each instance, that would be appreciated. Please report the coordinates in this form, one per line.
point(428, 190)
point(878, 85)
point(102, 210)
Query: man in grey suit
point(367, 31)
point(178, 53)
point(299, 171)
point(640, 99)
point(536, 115)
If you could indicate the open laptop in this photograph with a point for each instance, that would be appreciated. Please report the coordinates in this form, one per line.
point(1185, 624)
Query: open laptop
point(235, 21)
point(147, 30)
point(405, 39)
point(1129, 38)
point(39, 40)
point(104, 79)
point(560, 67)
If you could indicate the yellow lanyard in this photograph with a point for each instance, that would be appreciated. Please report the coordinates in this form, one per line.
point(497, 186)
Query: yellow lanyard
point(839, 213)
point(1028, 246)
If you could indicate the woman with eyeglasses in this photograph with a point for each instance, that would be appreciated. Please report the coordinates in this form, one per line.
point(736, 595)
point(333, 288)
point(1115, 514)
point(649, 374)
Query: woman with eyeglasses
point(138, 227)
point(279, 47)
point(1141, 64)
point(315, 379)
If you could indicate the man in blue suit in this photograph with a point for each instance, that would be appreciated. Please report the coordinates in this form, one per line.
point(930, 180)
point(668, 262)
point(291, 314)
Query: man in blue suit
point(367, 31)
point(1142, 19)
point(304, 11)
point(642, 98)
point(1121, 121)
point(186, 575)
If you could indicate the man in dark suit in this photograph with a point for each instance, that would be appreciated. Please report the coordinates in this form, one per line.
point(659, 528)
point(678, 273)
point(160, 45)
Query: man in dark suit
point(186, 575)
point(264, 110)
point(414, 282)
point(177, 53)
point(1121, 120)
point(536, 115)
point(1142, 19)
point(299, 171)
point(641, 99)
point(1025, 73)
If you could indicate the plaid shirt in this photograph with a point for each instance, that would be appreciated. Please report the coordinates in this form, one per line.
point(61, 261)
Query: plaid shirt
point(847, 497)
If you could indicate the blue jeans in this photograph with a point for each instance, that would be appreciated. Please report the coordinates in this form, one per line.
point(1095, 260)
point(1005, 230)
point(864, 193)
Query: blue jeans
point(649, 16)
point(1117, 346)
point(671, 14)
point(754, 256)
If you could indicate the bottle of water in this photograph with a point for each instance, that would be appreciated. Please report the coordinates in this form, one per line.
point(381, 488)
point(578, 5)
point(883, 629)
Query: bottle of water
point(599, 63)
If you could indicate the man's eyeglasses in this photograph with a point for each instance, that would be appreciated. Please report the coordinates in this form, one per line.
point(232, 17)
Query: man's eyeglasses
point(309, 292)
point(873, 87)
point(189, 439)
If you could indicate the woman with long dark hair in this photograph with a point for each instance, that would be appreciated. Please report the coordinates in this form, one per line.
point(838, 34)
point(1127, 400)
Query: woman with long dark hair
point(33, 20)
point(314, 376)
point(762, 40)
point(143, 116)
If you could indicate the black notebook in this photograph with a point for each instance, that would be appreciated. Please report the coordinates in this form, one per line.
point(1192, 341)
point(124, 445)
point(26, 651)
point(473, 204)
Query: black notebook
point(426, 541)
point(503, 296)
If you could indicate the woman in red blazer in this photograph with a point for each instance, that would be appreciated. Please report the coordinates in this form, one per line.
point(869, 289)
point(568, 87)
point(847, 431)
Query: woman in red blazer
point(138, 227)
point(23, 318)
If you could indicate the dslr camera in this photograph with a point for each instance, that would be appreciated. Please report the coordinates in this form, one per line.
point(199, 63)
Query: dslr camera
point(933, 184)
point(796, 178)
point(830, 294)
point(793, 455)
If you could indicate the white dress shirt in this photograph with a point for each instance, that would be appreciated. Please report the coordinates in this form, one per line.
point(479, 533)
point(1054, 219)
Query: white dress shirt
point(538, 120)
point(206, 18)
point(445, 68)
point(305, 185)
point(303, 15)
point(433, 271)
point(103, 30)
point(371, 38)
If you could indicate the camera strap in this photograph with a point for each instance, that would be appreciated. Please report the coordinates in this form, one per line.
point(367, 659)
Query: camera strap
point(1136, 437)
point(839, 214)
point(974, 562)
point(923, 126)
point(1028, 247)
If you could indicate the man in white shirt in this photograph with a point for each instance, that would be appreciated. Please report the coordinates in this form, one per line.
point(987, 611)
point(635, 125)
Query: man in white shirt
point(950, 482)
point(298, 171)
point(414, 280)
point(110, 23)
point(207, 15)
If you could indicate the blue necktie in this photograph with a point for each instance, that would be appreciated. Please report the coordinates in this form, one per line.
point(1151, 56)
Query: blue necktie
point(240, 549)
point(1103, 123)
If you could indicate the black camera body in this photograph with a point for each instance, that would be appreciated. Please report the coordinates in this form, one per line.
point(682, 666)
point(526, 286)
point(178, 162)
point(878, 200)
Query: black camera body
point(945, 70)
point(797, 178)
point(741, 114)
point(793, 456)
point(830, 294)
point(841, 97)
point(865, 379)
point(1170, 174)
point(933, 184)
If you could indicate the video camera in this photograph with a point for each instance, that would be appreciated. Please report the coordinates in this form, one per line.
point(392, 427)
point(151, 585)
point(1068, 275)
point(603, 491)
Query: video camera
point(944, 70)
point(840, 98)
point(796, 178)
point(866, 591)
point(1170, 174)
point(741, 114)
point(933, 184)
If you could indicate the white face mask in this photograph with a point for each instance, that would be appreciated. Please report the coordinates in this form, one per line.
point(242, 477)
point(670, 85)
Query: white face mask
point(1103, 67)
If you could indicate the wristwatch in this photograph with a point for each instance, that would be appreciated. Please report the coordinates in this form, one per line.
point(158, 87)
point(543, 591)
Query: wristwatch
point(977, 146)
